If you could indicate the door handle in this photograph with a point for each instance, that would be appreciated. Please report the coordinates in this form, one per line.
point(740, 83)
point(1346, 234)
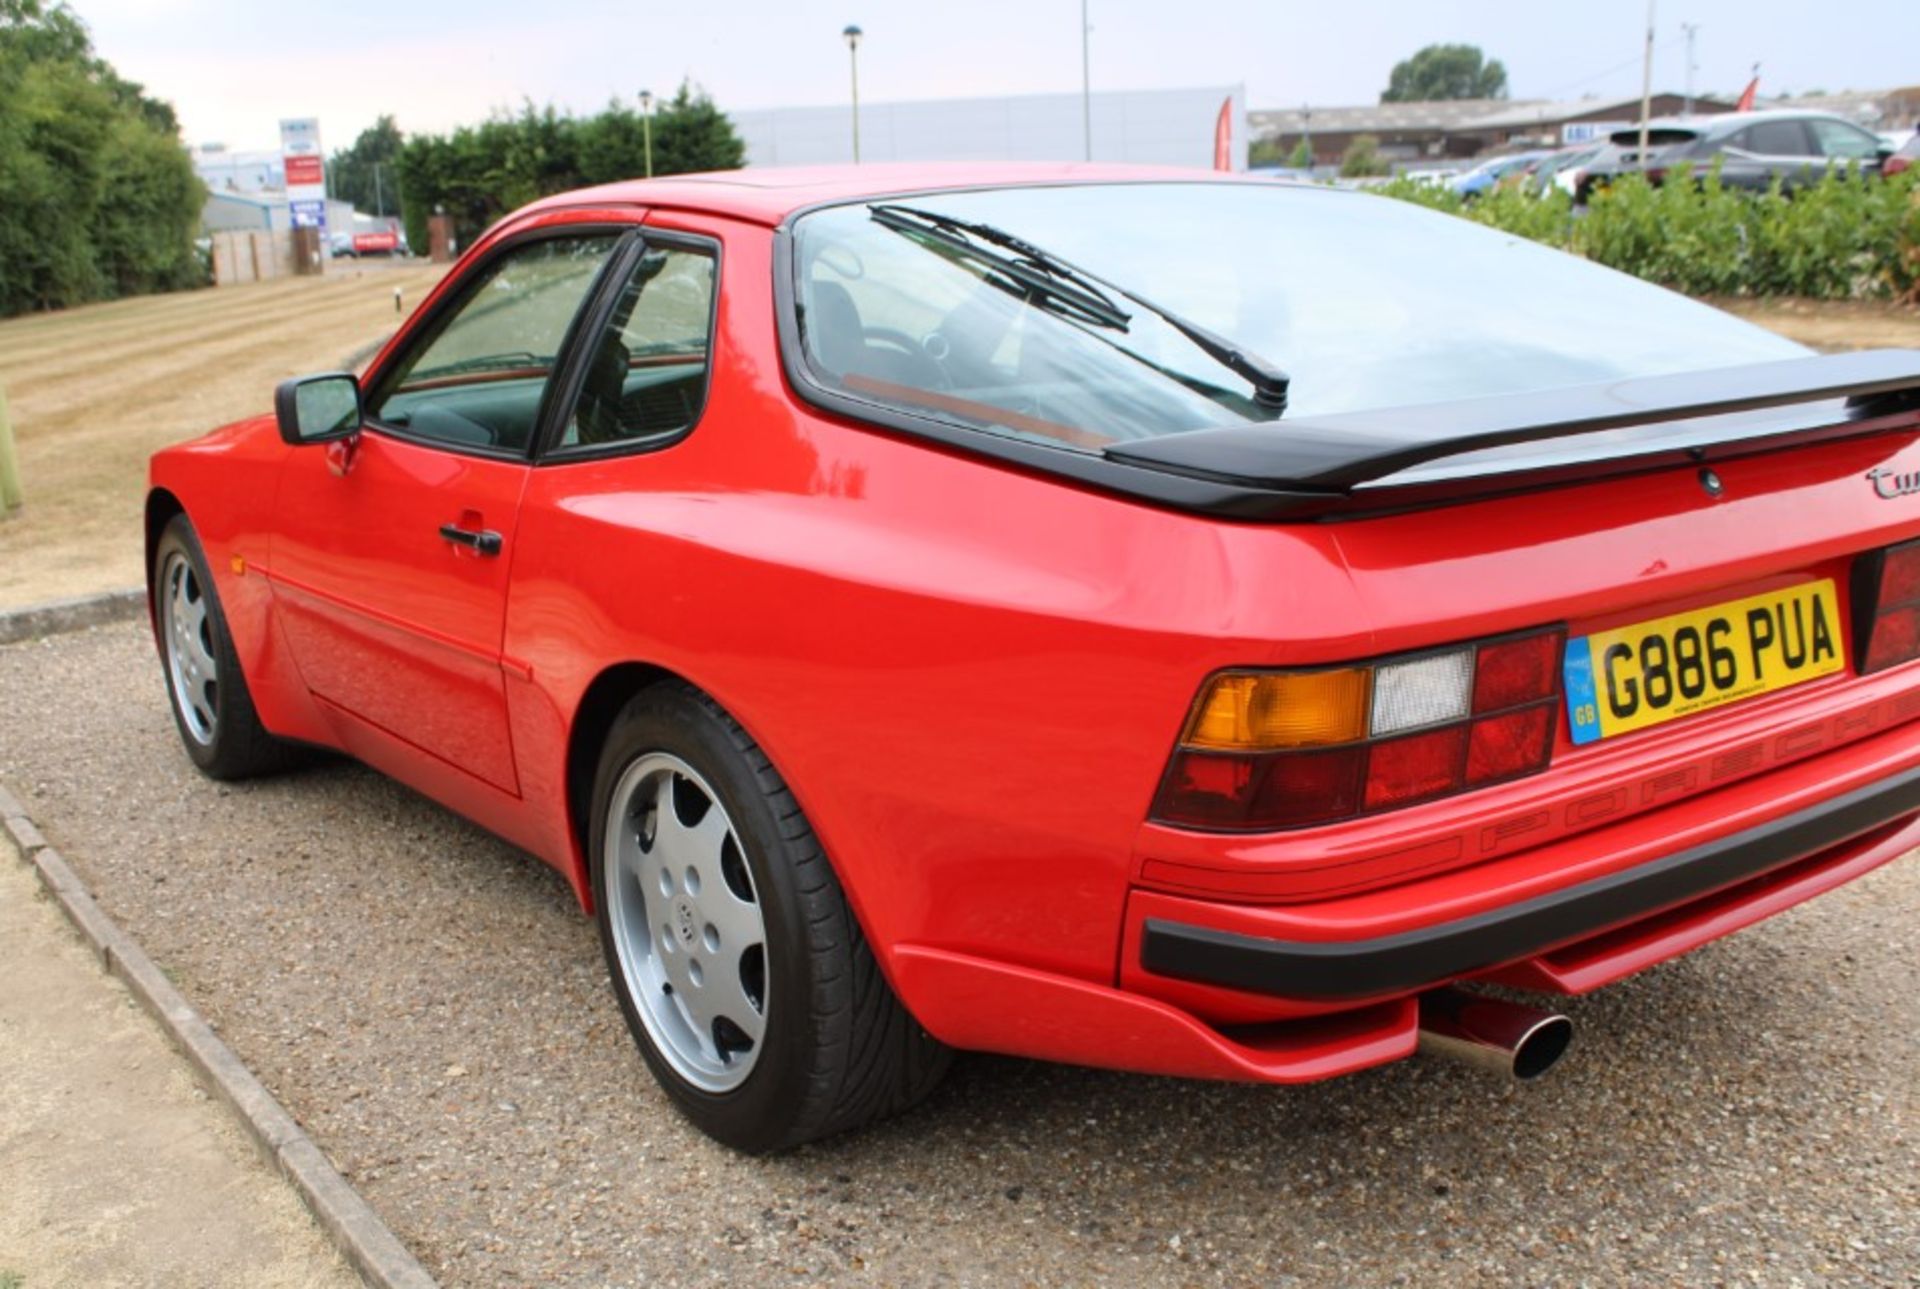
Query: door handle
point(485, 541)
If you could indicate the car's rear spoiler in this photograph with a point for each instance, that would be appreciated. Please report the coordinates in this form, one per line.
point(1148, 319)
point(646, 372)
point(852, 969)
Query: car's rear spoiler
point(1316, 462)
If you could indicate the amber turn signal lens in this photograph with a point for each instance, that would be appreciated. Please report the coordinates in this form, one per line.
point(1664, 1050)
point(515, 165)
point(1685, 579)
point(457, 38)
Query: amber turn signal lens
point(1264, 711)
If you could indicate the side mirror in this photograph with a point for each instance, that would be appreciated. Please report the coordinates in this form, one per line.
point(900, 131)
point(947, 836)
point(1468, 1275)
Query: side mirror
point(317, 409)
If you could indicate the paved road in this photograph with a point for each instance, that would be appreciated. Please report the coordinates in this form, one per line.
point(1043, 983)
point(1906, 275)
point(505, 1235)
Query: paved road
point(119, 1169)
point(431, 1004)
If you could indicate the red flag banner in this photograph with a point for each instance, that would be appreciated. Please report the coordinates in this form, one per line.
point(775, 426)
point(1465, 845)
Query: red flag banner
point(1223, 137)
point(1747, 96)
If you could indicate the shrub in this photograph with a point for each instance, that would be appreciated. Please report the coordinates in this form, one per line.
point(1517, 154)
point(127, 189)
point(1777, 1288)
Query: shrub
point(1847, 237)
point(1363, 158)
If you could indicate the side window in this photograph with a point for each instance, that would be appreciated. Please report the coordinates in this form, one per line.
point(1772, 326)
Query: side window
point(647, 374)
point(1778, 139)
point(477, 378)
point(1838, 139)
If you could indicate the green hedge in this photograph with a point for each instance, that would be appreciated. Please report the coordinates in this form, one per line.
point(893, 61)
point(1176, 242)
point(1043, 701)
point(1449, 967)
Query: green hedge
point(97, 196)
point(1847, 237)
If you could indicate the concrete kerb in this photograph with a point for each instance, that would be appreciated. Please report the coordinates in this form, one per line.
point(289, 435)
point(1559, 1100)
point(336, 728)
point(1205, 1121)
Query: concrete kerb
point(59, 616)
point(368, 1245)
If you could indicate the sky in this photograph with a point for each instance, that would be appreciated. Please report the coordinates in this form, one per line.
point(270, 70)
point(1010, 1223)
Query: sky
point(233, 68)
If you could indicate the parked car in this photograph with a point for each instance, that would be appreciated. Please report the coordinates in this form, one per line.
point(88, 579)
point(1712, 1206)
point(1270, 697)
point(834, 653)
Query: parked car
point(1185, 624)
point(1753, 150)
point(1487, 175)
point(379, 242)
point(1561, 168)
point(1905, 159)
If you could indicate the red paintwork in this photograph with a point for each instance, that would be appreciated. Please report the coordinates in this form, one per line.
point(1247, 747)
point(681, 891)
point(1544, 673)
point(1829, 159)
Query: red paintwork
point(972, 677)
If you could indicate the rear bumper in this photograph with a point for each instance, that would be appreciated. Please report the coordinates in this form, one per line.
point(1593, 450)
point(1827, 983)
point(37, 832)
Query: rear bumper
point(1334, 971)
point(985, 1005)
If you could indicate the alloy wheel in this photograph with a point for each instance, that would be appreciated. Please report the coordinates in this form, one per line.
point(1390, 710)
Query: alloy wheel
point(687, 924)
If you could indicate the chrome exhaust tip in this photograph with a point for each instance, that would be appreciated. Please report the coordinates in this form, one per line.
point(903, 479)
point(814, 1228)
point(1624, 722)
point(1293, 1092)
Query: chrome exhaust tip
point(1507, 1038)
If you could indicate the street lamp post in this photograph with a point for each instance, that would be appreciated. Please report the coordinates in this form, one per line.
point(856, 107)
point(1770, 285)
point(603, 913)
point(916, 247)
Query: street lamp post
point(853, 34)
point(646, 127)
point(1086, 78)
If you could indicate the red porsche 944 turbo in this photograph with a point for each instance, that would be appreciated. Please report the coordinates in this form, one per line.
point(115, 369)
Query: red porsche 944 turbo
point(1176, 623)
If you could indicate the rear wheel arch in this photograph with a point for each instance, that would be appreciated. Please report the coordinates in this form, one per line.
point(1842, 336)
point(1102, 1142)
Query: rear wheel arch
point(593, 717)
point(843, 1048)
point(161, 508)
point(600, 705)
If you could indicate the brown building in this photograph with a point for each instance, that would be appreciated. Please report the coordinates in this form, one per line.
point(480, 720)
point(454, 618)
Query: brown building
point(1412, 133)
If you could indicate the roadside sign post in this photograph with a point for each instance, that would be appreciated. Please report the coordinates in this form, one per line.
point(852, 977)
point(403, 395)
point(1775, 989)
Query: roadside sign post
point(305, 169)
point(11, 496)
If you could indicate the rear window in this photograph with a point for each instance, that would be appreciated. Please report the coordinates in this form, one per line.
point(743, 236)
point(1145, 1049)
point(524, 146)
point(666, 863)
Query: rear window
point(1364, 301)
point(1657, 137)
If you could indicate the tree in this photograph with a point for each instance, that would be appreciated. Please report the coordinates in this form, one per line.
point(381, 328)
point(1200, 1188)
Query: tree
point(1362, 158)
point(365, 174)
point(690, 134)
point(97, 196)
point(1446, 72)
point(1301, 158)
point(479, 173)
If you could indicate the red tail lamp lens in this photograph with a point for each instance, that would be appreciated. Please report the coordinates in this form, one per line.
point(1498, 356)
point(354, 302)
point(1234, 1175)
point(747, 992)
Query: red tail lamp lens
point(1309, 788)
point(1400, 770)
point(1900, 576)
point(1208, 790)
point(1512, 672)
point(1893, 634)
point(1285, 790)
point(1516, 743)
point(1896, 638)
point(1270, 750)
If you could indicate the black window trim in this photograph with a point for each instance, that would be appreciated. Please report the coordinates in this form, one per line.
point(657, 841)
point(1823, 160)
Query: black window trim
point(547, 449)
point(622, 233)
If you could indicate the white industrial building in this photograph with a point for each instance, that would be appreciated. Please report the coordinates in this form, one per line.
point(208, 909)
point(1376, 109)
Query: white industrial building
point(1149, 127)
point(270, 211)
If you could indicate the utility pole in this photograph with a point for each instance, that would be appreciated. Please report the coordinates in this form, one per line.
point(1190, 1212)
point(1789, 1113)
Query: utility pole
point(1086, 78)
point(1692, 29)
point(1306, 131)
point(1646, 87)
point(379, 193)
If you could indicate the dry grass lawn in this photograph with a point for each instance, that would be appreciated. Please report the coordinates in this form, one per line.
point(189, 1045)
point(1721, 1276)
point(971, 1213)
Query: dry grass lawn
point(1835, 324)
point(93, 391)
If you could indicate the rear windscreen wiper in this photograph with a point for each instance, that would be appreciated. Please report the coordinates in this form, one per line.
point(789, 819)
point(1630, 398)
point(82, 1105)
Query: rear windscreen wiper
point(1037, 272)
point(1048, 274)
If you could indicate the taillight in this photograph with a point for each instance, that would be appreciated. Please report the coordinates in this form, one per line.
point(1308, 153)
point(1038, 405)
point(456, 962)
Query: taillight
point(1886, 597)
point(1264, 750)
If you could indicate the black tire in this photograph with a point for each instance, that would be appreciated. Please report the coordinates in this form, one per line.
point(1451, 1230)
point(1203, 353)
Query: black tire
point(843, 1051)
point(237, 746)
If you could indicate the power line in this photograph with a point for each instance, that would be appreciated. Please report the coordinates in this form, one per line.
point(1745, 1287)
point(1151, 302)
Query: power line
point(1588, 80)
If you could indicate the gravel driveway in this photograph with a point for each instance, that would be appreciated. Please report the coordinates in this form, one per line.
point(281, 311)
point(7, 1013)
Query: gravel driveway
point(432, 1005)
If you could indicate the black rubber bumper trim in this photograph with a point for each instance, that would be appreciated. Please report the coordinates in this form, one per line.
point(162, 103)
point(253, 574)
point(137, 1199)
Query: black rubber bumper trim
point(1351, 969)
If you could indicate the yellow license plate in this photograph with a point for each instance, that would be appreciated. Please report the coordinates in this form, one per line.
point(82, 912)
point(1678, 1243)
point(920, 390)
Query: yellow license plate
point(1658, 671)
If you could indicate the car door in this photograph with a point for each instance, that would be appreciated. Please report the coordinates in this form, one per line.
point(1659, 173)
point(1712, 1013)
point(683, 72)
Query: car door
point(392, 548)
